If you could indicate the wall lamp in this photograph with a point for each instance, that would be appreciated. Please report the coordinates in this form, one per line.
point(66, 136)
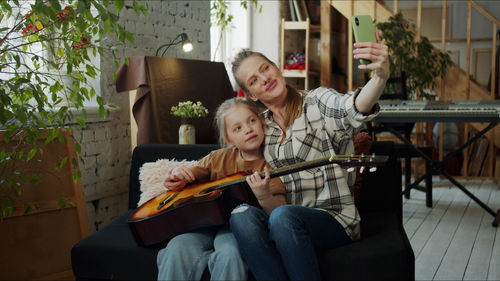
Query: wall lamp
point(187, 46)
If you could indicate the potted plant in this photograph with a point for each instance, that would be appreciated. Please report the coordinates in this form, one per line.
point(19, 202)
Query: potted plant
point(419, 60)
point(46, 52)
point(188, 110)
point(45, 64)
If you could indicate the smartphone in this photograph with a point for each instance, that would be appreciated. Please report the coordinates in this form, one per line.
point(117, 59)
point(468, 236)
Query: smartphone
point(364, 31)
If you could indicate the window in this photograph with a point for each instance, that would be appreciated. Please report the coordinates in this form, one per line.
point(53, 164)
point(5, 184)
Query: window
point(8, 68)
point(225, 45)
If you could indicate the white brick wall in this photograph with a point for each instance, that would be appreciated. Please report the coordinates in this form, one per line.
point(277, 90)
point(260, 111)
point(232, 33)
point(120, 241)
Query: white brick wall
point(106, 151)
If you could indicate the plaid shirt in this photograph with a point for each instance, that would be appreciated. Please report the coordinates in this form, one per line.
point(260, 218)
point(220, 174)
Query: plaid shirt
point(326, 127)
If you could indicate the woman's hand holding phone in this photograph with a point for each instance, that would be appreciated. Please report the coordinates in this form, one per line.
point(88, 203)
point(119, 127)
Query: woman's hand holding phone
point(373, 55)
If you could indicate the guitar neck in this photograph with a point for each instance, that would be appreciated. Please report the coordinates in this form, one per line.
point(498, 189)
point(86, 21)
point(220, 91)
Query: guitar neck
point(278, 172)
point(341, 160)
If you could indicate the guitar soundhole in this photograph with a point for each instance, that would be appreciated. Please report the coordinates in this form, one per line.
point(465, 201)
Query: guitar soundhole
point(208, 193)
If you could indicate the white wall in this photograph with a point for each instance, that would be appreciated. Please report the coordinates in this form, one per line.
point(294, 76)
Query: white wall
point(265, 35)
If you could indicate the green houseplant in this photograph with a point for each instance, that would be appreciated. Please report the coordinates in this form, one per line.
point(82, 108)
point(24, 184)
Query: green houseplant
point(421, 62)
point(46, 52)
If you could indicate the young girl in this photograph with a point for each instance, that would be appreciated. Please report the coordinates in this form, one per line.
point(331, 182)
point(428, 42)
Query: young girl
point(241, 134)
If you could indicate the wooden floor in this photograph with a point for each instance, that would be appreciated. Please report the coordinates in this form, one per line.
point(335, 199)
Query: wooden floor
point(454, 240)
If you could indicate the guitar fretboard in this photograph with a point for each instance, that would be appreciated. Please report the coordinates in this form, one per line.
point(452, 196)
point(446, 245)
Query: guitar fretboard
point(341, 160)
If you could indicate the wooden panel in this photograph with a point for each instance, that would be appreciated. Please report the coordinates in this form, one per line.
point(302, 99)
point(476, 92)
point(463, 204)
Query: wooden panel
point(477, 266)
point(282, 44)
point(340, 51)
point(38, 244)
point(326, 43)
point(431, 26)
point(467, 62)
point(484, 13)
point(455, 260)
point(415, 213)
point(300, 25)
point(294, 73)
point(454, 240)
point(494, 265)
point(494, 65)
point(435, 248)
point(455, 56)
point(382, 13)
point(431, 221)
point(481, 61)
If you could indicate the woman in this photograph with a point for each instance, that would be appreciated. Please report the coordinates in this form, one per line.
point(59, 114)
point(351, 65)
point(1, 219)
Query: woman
point(321, 211)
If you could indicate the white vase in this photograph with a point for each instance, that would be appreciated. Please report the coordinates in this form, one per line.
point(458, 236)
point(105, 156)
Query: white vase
point(187, 133)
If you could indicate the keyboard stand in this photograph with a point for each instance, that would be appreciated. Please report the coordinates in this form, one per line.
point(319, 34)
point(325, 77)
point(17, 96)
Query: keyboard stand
point(437, 167)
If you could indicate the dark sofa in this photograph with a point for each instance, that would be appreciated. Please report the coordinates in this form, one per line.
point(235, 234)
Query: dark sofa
point(383, 253)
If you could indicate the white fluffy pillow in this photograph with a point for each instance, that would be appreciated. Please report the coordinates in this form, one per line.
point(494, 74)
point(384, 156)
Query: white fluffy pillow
point(152, 175)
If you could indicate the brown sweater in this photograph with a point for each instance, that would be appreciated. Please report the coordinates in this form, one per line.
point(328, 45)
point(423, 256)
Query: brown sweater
point(227, 161)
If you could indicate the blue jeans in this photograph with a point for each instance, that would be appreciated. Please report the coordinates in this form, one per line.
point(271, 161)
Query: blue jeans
point(187, 255)
point(282, 246)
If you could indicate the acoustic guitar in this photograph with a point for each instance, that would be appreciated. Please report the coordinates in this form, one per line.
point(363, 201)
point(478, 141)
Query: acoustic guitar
point(210, 204)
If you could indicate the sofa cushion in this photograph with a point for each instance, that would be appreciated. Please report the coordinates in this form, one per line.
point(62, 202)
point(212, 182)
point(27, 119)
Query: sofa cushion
point(152, 152)
point(113, 254)
point(152, 176)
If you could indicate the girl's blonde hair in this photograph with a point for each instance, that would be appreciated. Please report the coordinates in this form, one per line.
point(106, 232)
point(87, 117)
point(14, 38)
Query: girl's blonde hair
point(222, 110)
point(294, 98)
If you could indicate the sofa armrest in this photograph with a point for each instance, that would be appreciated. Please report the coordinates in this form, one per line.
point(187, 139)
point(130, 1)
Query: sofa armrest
point(152, 152)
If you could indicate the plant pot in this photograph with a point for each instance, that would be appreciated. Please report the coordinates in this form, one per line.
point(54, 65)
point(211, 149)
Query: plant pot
point(187, 132)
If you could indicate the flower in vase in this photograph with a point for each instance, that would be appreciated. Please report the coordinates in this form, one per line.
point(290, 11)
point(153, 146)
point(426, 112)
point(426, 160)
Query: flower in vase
point(188, 109)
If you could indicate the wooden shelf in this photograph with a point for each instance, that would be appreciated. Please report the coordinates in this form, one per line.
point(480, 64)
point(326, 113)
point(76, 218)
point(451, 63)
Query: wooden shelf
point(298, 73)
point(301, 25)
point(294, 73)
point(290, 44)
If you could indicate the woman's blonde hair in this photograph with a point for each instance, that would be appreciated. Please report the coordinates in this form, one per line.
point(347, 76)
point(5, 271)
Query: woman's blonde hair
point(222, 110)
point(294, 98)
